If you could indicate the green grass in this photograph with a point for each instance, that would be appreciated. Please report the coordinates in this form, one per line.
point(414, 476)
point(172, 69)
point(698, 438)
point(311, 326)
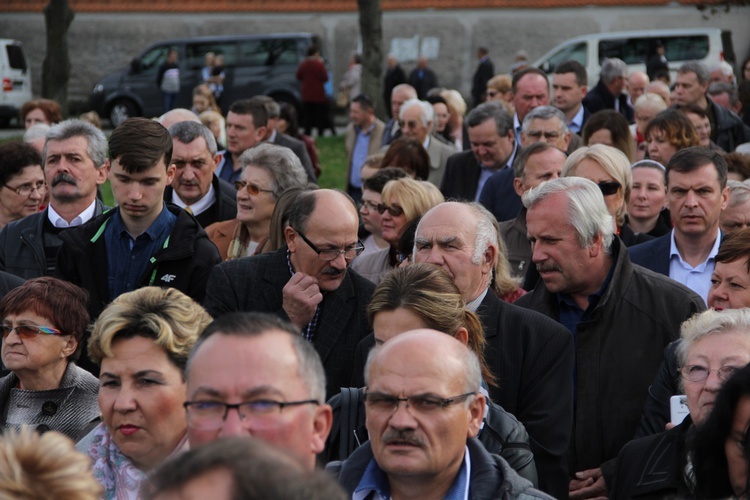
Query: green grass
point(332, 162)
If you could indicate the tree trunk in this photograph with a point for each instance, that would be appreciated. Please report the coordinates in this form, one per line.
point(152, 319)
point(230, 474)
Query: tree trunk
point(371, 29)
point(58, 17)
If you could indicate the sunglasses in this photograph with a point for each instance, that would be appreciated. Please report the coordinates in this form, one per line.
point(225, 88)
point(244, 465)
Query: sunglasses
point(253, 189)
point(29, 331)
point(395, 210)
point(609, 188)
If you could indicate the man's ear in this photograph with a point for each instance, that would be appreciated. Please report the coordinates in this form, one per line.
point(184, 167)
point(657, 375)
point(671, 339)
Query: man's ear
point(216, 160)
point(291, 238)
point(489, 257)
point(322, 422)
point(518, 186)
point(596, 246)
point(476, 414)
point(103, 172)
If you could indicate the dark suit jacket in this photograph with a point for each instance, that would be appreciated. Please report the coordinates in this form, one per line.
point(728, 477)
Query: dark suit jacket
point(424, 84)
point(461, 177)
point(532, 357)
point(485, 71)
point(653, 255)
point(299, 148)
point(499, 197)
point(224, 207)
point(600, 98)
point(393, 76)
point(256, 283)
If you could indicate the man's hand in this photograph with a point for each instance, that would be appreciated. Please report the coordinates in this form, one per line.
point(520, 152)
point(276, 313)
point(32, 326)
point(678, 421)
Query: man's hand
point(301, 297)
point(588, 484)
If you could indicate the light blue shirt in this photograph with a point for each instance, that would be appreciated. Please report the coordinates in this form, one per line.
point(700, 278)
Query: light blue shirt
point(486, 172)
point(697, 278)
point(359, 154)
point(576, 124)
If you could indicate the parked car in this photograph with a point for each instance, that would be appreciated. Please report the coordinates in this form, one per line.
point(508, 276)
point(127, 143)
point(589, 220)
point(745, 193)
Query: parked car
point(16, 79)
point(253, 65)
point(707, 45)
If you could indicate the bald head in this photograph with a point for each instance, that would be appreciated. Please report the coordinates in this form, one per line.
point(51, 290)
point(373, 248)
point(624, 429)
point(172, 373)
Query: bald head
point(429, 351)
point(637, 82)
point(178, 115)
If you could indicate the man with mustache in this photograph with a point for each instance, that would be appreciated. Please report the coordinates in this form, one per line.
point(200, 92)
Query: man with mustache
point(307, 281)
point(531, 355)
point(75, 161)
point(621, 316)
point(427, 446)
point(195, 186)
point(144, 241)
point(697, 193)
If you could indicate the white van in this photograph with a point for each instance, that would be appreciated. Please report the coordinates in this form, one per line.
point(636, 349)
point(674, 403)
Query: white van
point(16, 80)
point(707, 45)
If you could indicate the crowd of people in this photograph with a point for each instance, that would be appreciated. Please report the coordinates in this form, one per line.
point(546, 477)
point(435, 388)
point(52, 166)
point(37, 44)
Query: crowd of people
point(543, 282)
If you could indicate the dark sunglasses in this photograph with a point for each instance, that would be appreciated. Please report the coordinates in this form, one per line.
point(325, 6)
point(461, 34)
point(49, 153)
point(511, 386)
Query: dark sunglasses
point(253, 189)
point(609, 188)
point(29, 331)
point(395, 210)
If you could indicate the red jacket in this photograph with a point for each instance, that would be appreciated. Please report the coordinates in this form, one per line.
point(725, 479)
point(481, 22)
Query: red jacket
point(312, 73)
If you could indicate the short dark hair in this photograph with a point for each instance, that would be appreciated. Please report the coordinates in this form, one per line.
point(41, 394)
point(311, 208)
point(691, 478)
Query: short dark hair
point(62, 303)
point(676, 127)
point(139, 143)
point(483, 50)
point(258, 470)
point(249, 107)
point(409, 154)
point(365, 101)
point(692, 158)
point(692, 108)
point(527, 71)
point(491, 111)
point(380, 178)
point(582, 76)
point(272, 107)
point(523, 155)
point(735, 246)
point(738, 163)
point(14, 157)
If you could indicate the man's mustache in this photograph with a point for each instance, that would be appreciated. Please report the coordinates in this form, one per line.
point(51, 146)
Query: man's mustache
point(63, 177)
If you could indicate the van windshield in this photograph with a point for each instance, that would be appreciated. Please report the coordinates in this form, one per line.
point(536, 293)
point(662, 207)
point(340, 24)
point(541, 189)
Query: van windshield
point(15, 57)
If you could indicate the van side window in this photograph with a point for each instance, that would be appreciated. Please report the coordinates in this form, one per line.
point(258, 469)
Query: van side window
point(152, 59)
point(637, 50)
point(15, 57)
point(268, 52)
point(196, 54)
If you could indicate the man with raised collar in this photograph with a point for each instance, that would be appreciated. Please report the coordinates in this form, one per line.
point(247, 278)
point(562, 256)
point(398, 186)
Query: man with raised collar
point(143, 242)
point(696, 193)
point(530, 354)
point(195, 187)
point(75, 165)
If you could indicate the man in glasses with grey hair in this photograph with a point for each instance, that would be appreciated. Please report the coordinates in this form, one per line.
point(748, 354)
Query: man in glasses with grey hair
point(307, 281)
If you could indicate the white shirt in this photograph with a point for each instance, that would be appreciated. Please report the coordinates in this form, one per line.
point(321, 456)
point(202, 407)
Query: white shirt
point(201, 206)
point(79, 219)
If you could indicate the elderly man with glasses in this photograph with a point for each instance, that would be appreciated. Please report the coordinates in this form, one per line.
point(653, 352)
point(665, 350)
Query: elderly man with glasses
point(307, 281)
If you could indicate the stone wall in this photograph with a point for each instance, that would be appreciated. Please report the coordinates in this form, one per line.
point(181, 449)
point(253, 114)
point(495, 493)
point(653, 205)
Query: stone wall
point(102, 43)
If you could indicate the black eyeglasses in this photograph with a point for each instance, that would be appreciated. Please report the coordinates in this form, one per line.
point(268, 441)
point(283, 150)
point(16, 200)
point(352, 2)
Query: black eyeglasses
point(332, 253)
point(253, 189)
point(387, 404)
point(609, 188)
point(394, 210)
point(212, 414)
point(29, 331)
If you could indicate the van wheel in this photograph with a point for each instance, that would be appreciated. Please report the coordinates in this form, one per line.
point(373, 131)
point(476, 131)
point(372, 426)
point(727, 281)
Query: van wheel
point(121, 110)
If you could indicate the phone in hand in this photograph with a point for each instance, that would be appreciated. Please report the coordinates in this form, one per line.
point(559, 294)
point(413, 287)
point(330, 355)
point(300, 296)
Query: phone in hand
point(678, 408)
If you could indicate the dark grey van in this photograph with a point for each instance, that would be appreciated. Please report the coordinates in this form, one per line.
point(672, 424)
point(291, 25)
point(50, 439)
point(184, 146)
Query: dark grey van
point(253, 65)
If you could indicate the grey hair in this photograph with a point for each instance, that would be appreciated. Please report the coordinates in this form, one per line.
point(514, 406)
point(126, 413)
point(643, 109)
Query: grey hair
point(281, 163)
point(255, 324)
point(701, 71)
point(95, 138)
point(545, 113)
point(708, 323)
point(587, 212)
point(613, 68)
point(405, 87)
point(718, 88)
point(38, 131)
point(472, 367)
point(650, 101)
point(523, 155)
point(725, 68)
point(187, 132)
point(739, 193)
point(486, 231)
point(427, 114)
point(491, 111)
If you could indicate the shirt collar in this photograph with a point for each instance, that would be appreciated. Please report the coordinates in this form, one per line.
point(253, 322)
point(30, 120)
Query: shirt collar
point(375, 480)
point(201, 205)
point(365, 131)
point(577, 120)
point(474, 304)
point(79, 219)
point(272, 139)
point(426, 143)
point(156, 228)
point(674, 252)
